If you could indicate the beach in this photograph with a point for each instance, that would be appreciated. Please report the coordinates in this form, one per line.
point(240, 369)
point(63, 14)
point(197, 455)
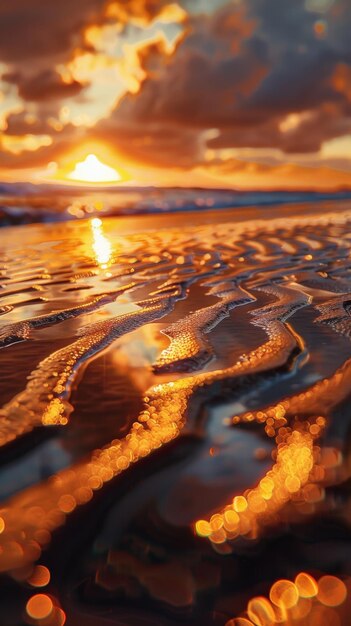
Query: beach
point(175, 410)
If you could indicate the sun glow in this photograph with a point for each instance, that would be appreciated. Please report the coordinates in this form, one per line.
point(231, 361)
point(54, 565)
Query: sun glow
point(92, 170)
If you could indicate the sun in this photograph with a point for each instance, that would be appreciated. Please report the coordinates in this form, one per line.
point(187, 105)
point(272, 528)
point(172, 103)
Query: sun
point(92, 170)
point(90, 164)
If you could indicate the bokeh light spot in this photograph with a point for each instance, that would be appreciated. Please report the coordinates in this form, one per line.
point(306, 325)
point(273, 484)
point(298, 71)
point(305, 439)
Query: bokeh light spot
point(331, 591)
point(40, 577)
point(39, 606)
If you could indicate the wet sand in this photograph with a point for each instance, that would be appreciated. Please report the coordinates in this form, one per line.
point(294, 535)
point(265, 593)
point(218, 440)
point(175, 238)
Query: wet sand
point(174, 421)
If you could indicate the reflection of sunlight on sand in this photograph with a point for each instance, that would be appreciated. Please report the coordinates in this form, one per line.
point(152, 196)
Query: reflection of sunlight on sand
point(304, 602)
point(155, 383)
point(143, 346)
point(134, 355)
point(101, 244)
point(290, 479)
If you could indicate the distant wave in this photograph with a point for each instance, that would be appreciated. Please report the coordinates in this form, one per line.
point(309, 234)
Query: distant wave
point(24, 203)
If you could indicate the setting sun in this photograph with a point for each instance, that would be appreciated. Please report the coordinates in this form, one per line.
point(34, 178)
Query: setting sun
point(92, 170)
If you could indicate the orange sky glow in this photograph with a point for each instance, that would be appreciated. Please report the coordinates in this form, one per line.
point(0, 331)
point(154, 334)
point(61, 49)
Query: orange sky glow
point(220, 94)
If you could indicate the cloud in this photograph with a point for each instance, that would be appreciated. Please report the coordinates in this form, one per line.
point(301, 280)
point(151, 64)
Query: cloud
point(238, 173)
point(213, 68)
point(47, 85)
point(259, 74)
point(212, 73)
point(154, 144)
point(37, 35)
point(37, 29)
point(293, 133)
point(37, 158)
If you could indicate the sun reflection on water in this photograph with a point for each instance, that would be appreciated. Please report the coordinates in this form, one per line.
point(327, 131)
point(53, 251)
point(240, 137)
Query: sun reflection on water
point(101, 244)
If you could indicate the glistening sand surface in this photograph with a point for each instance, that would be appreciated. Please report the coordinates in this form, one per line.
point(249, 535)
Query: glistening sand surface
point(175, 411)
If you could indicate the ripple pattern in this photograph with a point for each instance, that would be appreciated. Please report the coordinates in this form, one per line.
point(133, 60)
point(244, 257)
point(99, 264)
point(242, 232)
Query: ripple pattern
point(253, 317)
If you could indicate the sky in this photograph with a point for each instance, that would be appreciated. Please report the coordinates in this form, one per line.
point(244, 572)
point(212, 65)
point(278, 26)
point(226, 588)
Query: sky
point(251, 94)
